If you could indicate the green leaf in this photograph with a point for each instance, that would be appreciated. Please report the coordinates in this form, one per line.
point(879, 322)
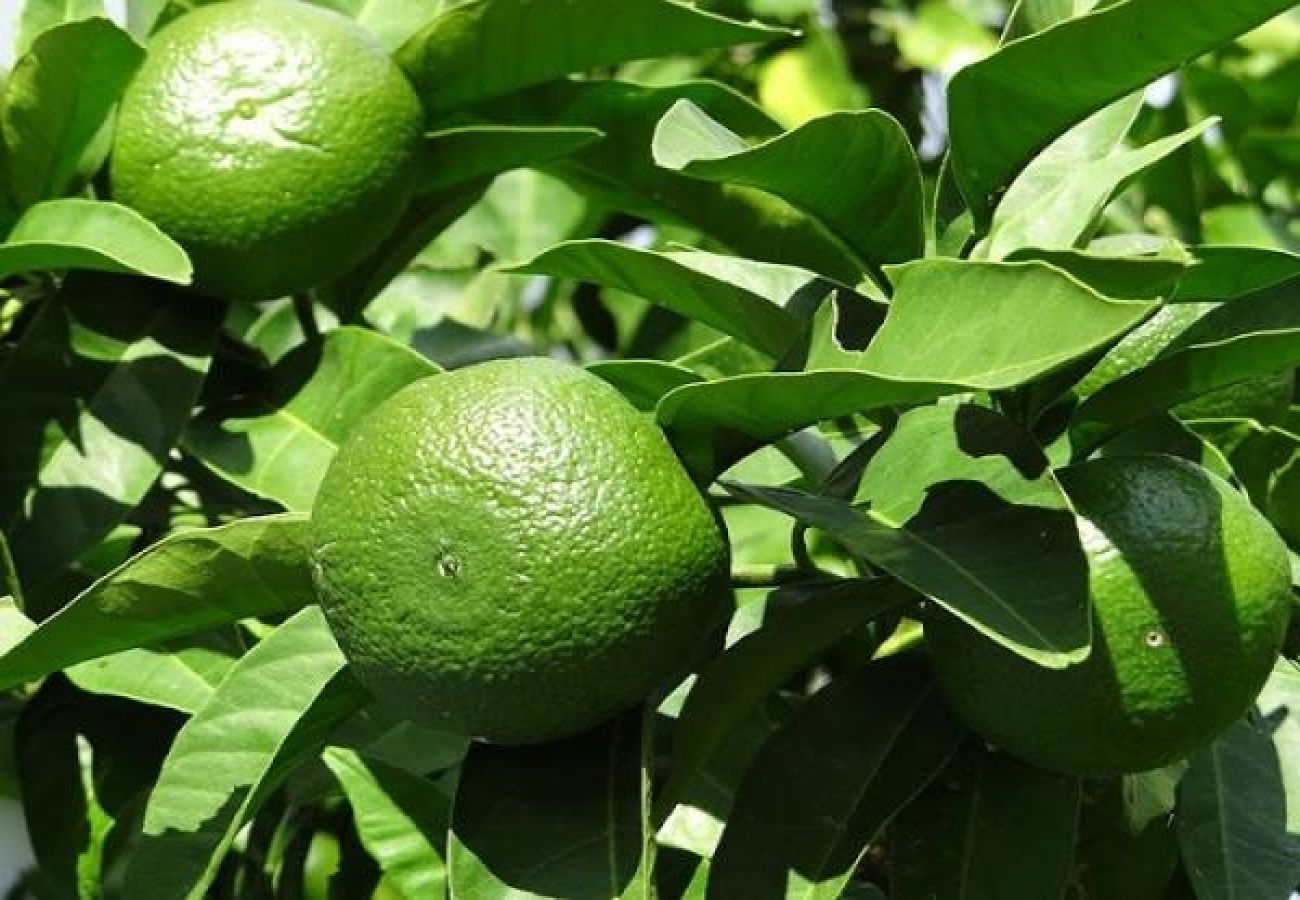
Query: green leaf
point(1010, 106)
point(392, 22)
point(458, 155)
point(1059, 198)
point(621, 173)
point(989, 326)
point(1014, 572)
point(1226, 273)
point(1149, 277)
point(273, 712)
point(734, 683)
point(824, 786)
point(989, 826)
point(643, 382)
point(38, 16)
point(1278, 707)
point(1232, 819)
point(486, 48)
point(402, 820)
point(94, 398)
point(562, 820)
point(738, 297)
point(179, 675)
point(57, 99)
point(187, 583)
point(278, 446)
point(1252, 336)
point(74, 233)
point(865, 188)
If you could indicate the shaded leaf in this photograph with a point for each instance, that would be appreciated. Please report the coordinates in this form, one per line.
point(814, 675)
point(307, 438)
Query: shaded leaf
point(95, 397)
point(1226, 273)
point(74, 233)
point(485, 48)
point(180, 675)
point(1006, 108)
point(186, 583)
point(392, 22)
point(457, 155)
point(401, 818)
point(825, 785)
point(643, 381)
point(865, 189)
point(562, 820)
point(989, 826)
point(57, 99)
point(272, 713)
point(280, 447)
point(1151, 277)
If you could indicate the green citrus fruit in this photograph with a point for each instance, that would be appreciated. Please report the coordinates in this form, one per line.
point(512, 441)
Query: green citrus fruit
point(1191, 592)
point(513, 551)
point(1265, 398)
point(272, 139)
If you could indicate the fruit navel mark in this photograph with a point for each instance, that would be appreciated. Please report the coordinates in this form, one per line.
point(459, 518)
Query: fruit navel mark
point(1155, 639)
point(449, 565)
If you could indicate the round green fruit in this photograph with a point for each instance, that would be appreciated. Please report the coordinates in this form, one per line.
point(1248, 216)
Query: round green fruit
point(1191, 593)
point(274, 140)
point(513, 551)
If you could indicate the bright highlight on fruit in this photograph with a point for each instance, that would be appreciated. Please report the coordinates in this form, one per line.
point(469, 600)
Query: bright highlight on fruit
point(1191, 592)
point(513, 551)
point(274, 140)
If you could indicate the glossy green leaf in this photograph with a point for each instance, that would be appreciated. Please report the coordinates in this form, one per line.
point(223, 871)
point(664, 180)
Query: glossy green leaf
point(621, 172)
point(485, 48)
point(74, 233)
point(457, 155)
point(987, 325)
point(272, 713)
point(187, 583)
point(1226, 273)
point(1005, 109)
point(1059, 197)
point(179, 675)
point(643, 382)
point(562, 820)
point(1013, 571)
point(1148, 277)
point(736, 305)
point(1252, 336)
point(989, 826)
point(825, 785)
point(1232, 819)
point(865, 188)
point(56, 101)
point(402, 820)
point(278, 446)
point(94, 398)
point(736, 681)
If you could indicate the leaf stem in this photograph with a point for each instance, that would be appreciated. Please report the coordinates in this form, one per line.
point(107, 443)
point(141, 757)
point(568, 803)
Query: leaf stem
point(305, 308)
point(767, 576)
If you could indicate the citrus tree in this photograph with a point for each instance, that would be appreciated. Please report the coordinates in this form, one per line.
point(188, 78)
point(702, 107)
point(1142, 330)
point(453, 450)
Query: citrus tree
point(595, 449)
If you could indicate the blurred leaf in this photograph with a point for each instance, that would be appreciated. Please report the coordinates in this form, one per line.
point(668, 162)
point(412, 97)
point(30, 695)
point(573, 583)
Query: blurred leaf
point(95, 397)
point(458, 155)
point(1278, 706)
point(939, 36)
point(520, 215)
point(278, 446)
point(561, 820)
point(401, 818)
point(74, 233)
point(822, 788)
point(1065, 195)
point(392, 22)
point(961, 506)
point(738, 680)
point(272, 713)
point(1232, 819)
point(57, 99)
point(38, 16)
point(736, 305)
point(485, 48)
point(1226, 273)
point(1255, 335)
point(621, 172)
point(186, 583)
point(180, 675)
point(865, 189)
point(1010, 106)
point(809, 80)
point(988, 826)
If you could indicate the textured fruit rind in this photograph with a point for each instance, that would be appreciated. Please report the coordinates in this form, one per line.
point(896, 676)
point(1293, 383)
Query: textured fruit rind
point(1190, 598)
point(513, 551)
point(273, 139)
